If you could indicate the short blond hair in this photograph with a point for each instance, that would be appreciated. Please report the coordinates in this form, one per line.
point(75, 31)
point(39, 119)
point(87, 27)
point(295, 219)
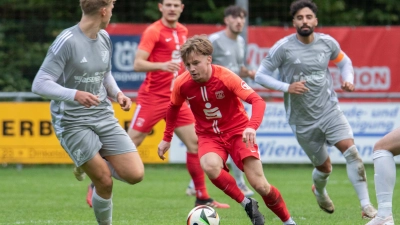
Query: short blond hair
point(90, 7)
point(197, 44)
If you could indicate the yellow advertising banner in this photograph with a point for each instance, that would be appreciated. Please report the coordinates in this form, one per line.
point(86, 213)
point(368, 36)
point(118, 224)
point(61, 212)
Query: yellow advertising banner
point(27, 136)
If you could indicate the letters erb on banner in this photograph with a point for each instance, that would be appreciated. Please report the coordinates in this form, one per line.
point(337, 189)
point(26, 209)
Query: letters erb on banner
point(27, 136)
point(374, 52)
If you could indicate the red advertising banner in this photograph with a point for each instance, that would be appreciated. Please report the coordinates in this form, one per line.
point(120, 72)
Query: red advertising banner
point(374, 51)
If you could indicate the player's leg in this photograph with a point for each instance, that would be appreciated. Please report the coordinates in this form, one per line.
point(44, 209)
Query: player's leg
point(248, 160)
point(385, 175)
point(339, 133)
point(188, 136)
point(100, 175)
point(83, 144)
point(238, 175)
point(312, 140)
point(186, 132)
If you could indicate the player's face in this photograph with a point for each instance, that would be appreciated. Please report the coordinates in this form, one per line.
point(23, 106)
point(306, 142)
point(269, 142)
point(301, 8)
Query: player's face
point(171, 10)
point(305, 21)
point(199, 67)
point(106, 15)
point(235, 24)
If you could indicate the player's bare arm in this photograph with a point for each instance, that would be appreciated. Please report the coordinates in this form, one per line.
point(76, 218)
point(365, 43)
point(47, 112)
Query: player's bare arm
point(163, 148)
point(86, 99)
point(124, 101)
point(142, 64)
point(298, 88)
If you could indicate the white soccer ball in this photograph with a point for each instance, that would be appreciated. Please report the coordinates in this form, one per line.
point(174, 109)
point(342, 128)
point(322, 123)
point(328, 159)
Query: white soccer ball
point(203, 215)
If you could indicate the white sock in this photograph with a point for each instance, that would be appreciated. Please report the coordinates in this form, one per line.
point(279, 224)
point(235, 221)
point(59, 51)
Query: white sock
point(102, 209)
point(245, 202)
point(113, 172)
point(356, 173)
point(320, 179)
point(237, 173)
point(385, 179)
point(191, 184)
point(289, 221)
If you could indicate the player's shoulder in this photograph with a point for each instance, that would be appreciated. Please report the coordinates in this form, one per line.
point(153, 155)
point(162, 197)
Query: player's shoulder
point(65, 39)
point(103, 33)
point(215, 36)
point(183, 78)
point(281, 44)
point(154, 27)
point(223, 73)
point(326, 38)
point(181, 27)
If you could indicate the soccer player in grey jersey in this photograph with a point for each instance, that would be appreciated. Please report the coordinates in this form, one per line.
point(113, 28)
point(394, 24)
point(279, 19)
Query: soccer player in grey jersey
point(311, 103)
point(229, 51)
point(76, 75)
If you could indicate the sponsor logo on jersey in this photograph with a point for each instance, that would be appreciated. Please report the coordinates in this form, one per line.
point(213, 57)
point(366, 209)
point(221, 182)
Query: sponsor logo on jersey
point(297, 61)
point(83, 60)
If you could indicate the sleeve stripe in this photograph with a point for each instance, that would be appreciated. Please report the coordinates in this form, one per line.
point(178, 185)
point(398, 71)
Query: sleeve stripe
point(58, 44)
point(105, 33)
point(277, 46)
point(338, 58)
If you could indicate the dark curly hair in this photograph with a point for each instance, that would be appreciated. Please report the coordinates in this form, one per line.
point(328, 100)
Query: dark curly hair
point(300, 4)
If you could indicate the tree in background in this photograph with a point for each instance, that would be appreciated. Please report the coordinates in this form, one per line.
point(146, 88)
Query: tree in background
point(27, 27)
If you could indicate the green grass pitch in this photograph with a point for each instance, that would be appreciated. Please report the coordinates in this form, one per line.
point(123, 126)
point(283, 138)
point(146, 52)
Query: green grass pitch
point(50, 195)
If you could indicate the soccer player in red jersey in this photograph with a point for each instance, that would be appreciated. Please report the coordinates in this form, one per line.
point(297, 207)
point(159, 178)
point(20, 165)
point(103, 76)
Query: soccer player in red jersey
point(158, 55)
point(223, 127)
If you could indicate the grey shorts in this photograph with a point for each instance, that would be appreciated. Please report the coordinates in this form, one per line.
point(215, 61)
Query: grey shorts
point(84, 138)
point(315, 138)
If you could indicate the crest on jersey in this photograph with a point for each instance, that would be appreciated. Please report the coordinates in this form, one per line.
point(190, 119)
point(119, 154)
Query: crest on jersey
point(105, 56)
point(220, 94)
point(245, 86)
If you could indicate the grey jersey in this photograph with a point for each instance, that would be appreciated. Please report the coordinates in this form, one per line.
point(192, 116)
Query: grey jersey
point(227, 52)
point(297, 61)
point(80, 63)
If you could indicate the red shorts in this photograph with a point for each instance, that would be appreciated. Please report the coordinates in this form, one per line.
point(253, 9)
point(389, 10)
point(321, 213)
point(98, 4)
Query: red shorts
point(147, 115)
point(225, 145)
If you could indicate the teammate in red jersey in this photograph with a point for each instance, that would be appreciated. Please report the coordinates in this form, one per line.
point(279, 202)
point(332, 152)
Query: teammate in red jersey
point(223, 127)
point(158, 55)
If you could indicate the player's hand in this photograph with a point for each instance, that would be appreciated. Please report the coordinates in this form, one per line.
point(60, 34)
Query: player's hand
point(163, 148)
point(298, 88)
point(251, 74)
point(347, 86)
point(87, 99)
point(124, 101)
point(170, 66)
point(249, 137)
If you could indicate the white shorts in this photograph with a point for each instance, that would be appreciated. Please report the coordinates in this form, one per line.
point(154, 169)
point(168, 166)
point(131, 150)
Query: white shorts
point(84, 138)
point(327, 131)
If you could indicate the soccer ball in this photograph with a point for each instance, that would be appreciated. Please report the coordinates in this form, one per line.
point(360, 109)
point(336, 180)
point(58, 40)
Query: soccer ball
point(203, 215)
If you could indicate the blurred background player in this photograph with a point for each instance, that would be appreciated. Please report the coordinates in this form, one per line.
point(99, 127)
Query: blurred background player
point(311, 103)
point(385, 176)
point(158, 55)
point(76, 75)
point(223, 127)
point(229, 51)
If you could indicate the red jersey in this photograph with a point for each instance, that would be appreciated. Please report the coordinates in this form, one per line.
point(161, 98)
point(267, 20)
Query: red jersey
point(216, 104)
point(163, 44)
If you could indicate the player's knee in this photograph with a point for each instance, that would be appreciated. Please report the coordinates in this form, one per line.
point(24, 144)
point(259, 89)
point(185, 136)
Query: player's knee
point(103, 184)
point(135, 178)
point(261, 186)
point(351, 154)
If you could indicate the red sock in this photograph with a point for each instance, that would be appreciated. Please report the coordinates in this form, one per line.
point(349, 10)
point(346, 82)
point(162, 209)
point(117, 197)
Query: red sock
point(227, 184)
point(275, 203)
point(197, 174)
